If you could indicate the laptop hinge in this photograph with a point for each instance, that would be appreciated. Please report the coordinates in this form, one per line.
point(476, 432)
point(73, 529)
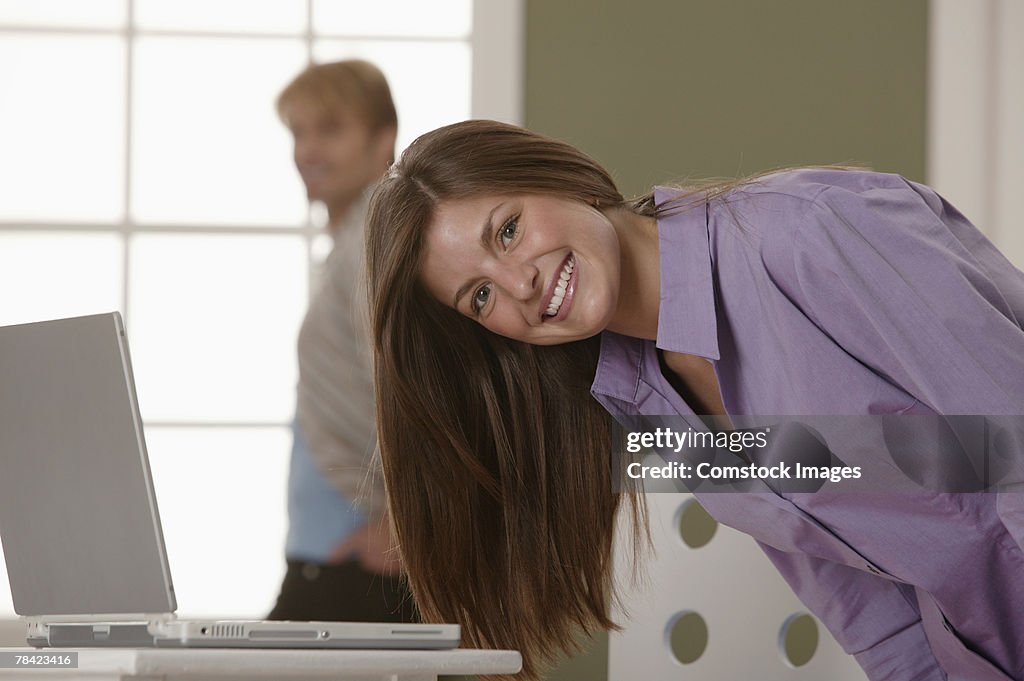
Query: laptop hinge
point(43, 620)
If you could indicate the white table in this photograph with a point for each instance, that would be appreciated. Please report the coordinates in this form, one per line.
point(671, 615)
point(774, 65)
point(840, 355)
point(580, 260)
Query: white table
point(149, 664)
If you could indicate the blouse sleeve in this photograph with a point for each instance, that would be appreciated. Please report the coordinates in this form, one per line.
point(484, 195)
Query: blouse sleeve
point(903, 282)
point(867, 615)
point(908, 286)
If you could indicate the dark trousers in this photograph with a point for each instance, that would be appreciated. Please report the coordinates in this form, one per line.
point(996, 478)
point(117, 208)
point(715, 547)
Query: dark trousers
point(342, 593)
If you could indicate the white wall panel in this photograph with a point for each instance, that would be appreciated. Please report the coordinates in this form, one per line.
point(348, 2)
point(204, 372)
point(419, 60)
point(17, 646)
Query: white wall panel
point(731, 584)
point(975, 154)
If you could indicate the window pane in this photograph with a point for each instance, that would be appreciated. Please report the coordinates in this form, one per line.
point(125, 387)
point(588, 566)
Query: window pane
point(270, 16)
point(70, 13)
point(451, 18)
point(53, 275)
point(429, 80)
point(207, 145)
point(61, 127)
point(213, 323)
point(221, 495)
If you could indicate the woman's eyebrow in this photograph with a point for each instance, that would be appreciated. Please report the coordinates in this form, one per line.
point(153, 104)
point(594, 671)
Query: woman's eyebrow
point(485, 242)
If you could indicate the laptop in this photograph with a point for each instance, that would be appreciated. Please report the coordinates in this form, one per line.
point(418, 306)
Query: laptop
point(78, 514)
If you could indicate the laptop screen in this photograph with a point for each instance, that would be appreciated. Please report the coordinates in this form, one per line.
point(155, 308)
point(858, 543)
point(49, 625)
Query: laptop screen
point(78, 516)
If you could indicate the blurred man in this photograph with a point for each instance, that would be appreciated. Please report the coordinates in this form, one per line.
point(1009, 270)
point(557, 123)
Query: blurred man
point(340, 566)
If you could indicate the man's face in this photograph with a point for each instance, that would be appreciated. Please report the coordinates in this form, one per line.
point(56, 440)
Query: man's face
point(336, 153)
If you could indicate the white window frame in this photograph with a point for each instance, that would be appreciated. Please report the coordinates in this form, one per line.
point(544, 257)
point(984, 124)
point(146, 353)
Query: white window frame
point(496, 43)
point(975, 144)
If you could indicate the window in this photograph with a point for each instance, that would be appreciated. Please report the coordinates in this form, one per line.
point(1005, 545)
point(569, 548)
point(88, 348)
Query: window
point(144, 170)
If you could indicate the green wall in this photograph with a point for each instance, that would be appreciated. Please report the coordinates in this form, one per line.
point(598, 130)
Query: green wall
point(659, 90)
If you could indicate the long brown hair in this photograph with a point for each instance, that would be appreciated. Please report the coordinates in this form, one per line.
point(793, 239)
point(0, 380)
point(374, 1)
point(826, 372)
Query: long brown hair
point(497, 461)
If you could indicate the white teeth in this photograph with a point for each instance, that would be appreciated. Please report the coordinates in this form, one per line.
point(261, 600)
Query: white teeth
point(559, 293)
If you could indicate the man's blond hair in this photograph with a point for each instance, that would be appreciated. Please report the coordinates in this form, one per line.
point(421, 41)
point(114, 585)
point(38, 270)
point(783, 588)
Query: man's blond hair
point(353, 85)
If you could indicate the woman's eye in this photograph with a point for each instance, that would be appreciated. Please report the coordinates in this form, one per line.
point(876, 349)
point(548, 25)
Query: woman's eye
point(508, 231)
point(480, 298)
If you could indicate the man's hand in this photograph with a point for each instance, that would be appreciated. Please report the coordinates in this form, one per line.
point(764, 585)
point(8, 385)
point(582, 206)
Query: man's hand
point(373, 546)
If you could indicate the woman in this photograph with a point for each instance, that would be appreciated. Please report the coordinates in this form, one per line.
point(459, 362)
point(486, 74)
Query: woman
point(518, 303)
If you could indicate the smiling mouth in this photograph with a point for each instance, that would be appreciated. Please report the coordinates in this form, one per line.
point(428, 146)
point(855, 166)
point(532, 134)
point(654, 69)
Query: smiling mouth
point(558, 292)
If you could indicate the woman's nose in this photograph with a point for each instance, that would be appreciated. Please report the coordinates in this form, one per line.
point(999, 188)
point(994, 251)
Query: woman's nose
point(519, 280)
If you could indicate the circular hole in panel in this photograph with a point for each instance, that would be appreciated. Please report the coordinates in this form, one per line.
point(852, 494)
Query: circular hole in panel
point(798, 639)
point(687, 636)
point(696, 527)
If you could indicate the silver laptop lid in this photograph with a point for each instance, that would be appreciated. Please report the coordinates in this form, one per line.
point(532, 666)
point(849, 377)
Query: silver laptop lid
point(78, 516)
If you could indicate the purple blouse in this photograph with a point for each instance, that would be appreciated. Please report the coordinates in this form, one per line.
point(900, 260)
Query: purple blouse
point(818, 292)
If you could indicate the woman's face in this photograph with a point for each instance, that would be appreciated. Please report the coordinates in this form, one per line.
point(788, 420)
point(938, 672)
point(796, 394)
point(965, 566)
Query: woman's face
point(534, 268)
